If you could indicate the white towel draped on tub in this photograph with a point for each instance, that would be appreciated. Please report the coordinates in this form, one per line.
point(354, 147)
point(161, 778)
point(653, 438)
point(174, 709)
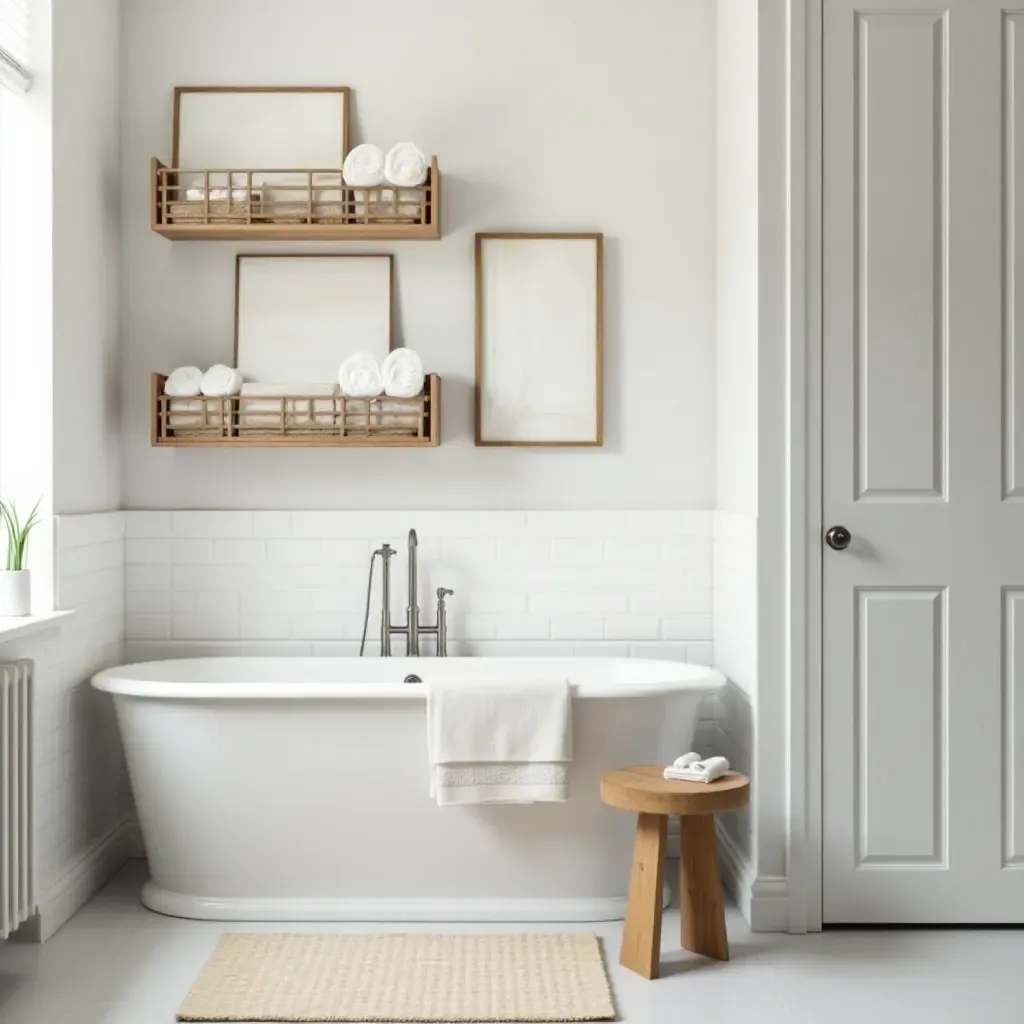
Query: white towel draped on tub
point(493, 742)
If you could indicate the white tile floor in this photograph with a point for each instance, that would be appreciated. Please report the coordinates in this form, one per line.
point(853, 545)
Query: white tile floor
point(116, 963)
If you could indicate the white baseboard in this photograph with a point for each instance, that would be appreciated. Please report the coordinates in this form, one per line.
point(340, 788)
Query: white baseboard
point(761, 900)
point(80, 883)
point(769, 905)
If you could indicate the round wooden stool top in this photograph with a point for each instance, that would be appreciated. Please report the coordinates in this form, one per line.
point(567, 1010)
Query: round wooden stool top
point(644, 788)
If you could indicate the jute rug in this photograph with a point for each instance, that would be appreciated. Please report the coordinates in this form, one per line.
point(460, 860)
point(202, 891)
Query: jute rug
point(393, 977)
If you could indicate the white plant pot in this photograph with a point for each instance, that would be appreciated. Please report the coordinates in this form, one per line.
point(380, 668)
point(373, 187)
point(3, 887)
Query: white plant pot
point(15, 592)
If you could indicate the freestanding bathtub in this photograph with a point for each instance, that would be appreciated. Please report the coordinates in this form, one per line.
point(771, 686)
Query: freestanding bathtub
point(297, 789)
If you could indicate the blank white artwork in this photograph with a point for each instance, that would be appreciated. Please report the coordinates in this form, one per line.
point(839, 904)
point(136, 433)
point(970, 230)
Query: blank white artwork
point(539, 346)
point(299, 317)
point(268, 130)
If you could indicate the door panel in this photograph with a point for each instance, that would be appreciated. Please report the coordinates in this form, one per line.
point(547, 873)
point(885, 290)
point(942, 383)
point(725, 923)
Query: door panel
point(1013, 722)
point(1013, 255)
point(923, 399)
point(899, 171)
point(900, 695)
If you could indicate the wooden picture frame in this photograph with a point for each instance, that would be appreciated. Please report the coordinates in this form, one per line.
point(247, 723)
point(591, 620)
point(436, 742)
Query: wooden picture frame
point(539, 339)
point(303, 159)
point(334, 331)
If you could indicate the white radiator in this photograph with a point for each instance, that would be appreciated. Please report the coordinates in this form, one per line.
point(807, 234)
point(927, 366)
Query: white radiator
point(17, 898)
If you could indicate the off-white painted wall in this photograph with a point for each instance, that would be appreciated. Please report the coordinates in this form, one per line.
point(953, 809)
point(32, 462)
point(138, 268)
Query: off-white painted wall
point(778, 190)
point(736, 408)
point(575, 115)
point(736, 205)
point(86, 256)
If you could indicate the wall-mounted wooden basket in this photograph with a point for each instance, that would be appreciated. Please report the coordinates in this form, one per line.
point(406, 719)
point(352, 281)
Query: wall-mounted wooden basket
point(296, 421)
point(288, 204)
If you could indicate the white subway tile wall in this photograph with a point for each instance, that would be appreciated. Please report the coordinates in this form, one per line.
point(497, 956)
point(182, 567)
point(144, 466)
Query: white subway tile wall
point(80, 784)
point(735, 598)
point(629, 578)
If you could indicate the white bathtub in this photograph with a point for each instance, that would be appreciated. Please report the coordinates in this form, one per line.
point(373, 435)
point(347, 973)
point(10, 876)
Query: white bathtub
point(296, 789)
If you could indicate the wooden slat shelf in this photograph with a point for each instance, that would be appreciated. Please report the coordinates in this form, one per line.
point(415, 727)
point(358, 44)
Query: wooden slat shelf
point(302, 422)
point(289, 205)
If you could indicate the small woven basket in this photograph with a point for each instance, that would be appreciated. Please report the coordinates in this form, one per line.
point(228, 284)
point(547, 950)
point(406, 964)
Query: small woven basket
point(218, 211)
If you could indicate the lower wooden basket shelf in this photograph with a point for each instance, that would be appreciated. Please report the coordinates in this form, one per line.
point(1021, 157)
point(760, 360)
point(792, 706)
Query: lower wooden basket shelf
point(296, 421)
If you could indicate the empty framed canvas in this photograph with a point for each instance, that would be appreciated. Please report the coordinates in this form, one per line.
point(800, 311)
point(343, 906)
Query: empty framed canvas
point(260, 127)
point(539, 304)
point(299, 316)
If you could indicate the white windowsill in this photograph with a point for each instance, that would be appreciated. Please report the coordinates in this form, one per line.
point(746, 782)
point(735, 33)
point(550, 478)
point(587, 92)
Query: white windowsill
point(13, 627)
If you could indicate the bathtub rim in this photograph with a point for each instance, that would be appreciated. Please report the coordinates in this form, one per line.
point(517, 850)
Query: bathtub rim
point(673, 677)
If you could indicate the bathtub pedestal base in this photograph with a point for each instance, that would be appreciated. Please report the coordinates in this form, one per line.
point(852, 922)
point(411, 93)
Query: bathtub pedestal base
point(204, 908)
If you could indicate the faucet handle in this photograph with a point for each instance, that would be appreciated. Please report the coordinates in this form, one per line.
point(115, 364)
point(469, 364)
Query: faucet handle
point(443, 592)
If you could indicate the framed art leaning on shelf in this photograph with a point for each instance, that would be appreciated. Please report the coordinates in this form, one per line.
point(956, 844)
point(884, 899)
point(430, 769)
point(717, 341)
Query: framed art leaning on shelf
point(298, 316)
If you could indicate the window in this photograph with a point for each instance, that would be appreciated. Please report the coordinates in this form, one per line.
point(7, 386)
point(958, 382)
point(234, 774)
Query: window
point(26, 268)
point(14, 44)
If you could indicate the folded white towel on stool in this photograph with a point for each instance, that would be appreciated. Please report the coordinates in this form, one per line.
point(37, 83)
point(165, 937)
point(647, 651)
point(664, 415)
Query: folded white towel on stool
point(364, 166)
point(360, 376)
point(403, 374)
point(699, 771)
point(219, 381)
point(498, 743)
point(406, 164)
point(184, 382)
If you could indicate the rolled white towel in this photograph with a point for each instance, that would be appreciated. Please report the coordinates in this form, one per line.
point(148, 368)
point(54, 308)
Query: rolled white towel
point(699, 771)
point(686, 760)
point(184, 382)
point(364, 166)
point(403, 374)
point(405, 164)
point(220, 381)
point(360, 376)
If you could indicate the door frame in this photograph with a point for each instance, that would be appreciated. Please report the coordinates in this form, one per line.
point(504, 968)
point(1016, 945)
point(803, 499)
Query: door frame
point(792, 659)
point(813, 202)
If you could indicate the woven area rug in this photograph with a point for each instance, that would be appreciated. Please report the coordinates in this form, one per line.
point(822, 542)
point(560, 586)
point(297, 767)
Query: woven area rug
point(254, 977)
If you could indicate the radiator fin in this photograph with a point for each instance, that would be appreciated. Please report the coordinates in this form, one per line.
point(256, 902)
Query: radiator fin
point(17, 896)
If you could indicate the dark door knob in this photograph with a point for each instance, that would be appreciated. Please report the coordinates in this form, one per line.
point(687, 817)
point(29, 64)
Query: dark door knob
point(838, 538)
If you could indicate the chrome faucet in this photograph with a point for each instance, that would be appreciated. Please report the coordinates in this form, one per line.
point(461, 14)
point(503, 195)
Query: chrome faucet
point(412, 629)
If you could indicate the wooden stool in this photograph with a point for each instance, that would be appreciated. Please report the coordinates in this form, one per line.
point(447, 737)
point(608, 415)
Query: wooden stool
point(702, 909)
